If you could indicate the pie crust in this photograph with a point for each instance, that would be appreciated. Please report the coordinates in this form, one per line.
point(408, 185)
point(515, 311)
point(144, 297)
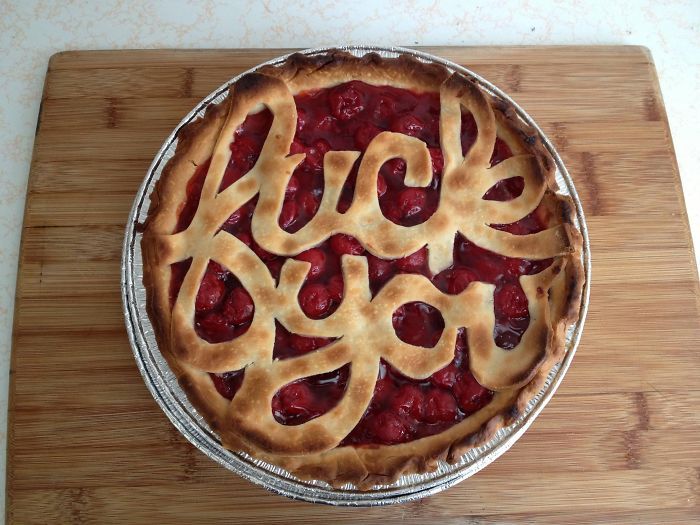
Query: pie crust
point(362, 323)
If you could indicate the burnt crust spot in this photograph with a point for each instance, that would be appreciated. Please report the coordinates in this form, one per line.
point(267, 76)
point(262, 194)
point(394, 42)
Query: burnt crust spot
point(252, 83)
point(458, 85)
point(513, 413)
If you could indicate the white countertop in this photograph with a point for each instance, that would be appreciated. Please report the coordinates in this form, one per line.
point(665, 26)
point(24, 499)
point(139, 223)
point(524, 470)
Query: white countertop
point(31, 31)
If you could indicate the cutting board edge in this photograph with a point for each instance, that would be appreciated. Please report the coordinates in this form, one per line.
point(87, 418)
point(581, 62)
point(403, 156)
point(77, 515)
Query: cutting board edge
point(59, 59)
point(674, 165)
point(11, 393)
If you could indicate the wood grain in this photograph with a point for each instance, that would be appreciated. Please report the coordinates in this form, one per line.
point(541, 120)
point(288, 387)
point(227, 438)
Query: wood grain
point(617, 444)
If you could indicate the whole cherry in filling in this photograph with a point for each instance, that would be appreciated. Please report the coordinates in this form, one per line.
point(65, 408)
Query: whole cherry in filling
point(223, 307)
point(348, 117)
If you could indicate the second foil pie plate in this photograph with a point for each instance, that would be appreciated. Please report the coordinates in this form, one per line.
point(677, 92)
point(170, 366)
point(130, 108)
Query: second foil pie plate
point(165, 389)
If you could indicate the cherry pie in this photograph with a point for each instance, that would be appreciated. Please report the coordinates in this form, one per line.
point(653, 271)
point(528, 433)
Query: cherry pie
point(359, 266)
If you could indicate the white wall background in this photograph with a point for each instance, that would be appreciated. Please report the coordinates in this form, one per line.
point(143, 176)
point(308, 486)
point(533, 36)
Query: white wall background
point(31, 31)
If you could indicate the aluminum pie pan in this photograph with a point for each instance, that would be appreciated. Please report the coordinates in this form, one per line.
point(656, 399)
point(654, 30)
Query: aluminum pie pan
point(165, 389)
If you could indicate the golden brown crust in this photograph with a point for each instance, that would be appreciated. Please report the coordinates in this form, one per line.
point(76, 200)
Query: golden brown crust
point(310, 450)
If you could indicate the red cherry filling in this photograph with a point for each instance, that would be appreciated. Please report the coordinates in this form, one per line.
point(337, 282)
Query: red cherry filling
point(403, 205)
point(416, 262)
point(346, 100)
point(246, 146)
point(468, 131)
point(310, 397)
point(211, 292)
point(458, 278)
point(510, 300)
point(349, 117)
point(194, 192)
point(404, 409)
point(440, 406)
point(390, 427)
point(512, 315)
point(343, 244)
point(365, 134)
point(445, 377)
point(532, 223)
point(239, 307)
point(289, 345)
point(305, 187)
point(408, 124)
point(470, 395)
point(418, 324)
point(317, 258)
point(223, 308)
point(501, 152)
point(380, 271)
point(506, 189)
point(315, 300)
point(178, 271)
point(409, 399)
point(322, 291)
point(228, 383)
point(411, 202)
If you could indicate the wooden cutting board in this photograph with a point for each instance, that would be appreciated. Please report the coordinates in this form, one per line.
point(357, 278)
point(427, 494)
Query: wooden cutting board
point(618, 443)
